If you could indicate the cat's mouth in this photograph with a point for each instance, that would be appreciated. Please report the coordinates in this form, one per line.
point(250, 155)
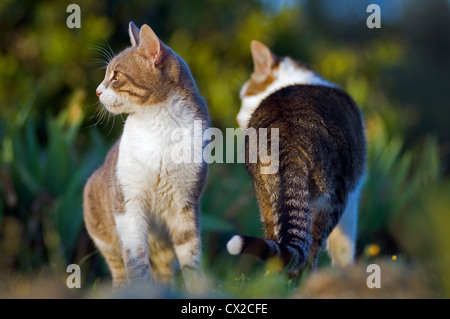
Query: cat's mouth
point(110, 101)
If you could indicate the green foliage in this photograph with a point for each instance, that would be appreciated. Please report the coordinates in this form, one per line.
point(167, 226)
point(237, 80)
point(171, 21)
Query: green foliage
point(51, 139)
point(48, 179)
point(395, 178)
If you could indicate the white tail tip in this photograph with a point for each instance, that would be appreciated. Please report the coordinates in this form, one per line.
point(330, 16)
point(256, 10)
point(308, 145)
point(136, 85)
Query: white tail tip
point(234, 245)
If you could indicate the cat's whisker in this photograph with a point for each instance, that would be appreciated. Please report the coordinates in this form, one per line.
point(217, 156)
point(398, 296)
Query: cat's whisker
point(112, 54)
point(103, 47)
point(105, 117)
point(97, 110)
point(108, 118)
point(112, 126)
point(95, 104)
point(107, 50)
point(106, 53)
point(92, 105)
point(102, 67)
point(100, 61)
point(99, 114)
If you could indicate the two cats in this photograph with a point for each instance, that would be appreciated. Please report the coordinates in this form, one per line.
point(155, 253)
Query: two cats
point(142, 210)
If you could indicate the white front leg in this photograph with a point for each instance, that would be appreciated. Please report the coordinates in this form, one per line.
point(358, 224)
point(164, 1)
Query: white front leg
point(132, 229)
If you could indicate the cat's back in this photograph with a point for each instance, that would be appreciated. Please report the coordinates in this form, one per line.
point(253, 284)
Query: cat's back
point(306, 105)
point(320, 124)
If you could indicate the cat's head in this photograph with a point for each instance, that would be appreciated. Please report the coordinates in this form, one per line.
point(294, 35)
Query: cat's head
point(270, 74)
point(141, 75)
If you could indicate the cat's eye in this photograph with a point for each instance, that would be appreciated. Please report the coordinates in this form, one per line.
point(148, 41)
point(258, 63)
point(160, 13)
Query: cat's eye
point(116, 75)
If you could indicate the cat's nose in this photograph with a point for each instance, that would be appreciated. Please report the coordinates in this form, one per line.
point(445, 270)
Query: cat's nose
point(98, 93)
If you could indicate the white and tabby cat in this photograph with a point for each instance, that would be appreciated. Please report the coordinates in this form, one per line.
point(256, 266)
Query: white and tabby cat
point(140, 208)
point(314, 195)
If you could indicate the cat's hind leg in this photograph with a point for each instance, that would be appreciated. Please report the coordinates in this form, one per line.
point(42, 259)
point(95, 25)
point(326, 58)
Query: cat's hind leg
point(101, 228)
point(341, 242)
point(113, 257)
point(162, 256)
point(185, 234)
point(267, 201)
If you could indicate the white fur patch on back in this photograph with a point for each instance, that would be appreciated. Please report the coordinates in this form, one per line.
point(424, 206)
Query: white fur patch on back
point(288, 73)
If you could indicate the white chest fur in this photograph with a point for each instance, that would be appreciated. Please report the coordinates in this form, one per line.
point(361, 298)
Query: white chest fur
point(146, 170)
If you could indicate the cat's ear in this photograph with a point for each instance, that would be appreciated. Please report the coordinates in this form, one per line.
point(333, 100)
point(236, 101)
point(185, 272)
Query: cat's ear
point(149, 46)
point(263, 60)
point(133, 31)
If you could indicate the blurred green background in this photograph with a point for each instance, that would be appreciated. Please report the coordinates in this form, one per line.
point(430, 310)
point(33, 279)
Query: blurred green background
point(54, 133)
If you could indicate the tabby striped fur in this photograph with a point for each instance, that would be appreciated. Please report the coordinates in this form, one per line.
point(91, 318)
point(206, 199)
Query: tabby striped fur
point(321, 163)
point(141, 208)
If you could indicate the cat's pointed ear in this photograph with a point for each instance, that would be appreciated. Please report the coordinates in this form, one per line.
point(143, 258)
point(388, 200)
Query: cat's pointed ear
point(149, 46)
point(263, 60)
point(133, 31)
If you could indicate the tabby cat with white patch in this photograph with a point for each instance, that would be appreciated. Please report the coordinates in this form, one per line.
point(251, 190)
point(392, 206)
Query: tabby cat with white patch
point(141, 208)
point(314, 195)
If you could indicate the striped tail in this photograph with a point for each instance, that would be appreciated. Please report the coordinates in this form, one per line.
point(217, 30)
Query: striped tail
point(292, 228)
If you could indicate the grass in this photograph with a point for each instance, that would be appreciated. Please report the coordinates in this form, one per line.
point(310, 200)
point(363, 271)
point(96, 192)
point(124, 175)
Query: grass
point(398, 280)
